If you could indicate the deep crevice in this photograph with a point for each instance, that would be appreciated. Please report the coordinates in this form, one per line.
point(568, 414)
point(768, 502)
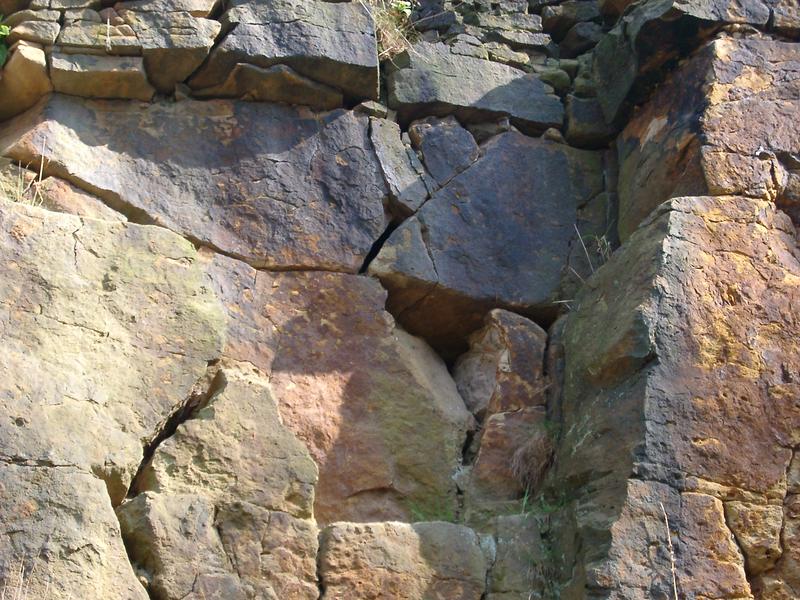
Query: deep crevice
point(376, 247)
point(209, 385)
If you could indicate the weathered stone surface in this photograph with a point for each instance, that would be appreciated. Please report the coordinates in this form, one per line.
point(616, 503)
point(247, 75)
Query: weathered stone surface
point(581, 38)
point(432, 80)
point(59, 537)
point(62, 196)
point(37, 32)
point(497, 235)
point(445, 146)
point(83, 299)
point(503, 370)
point(14, 19)
point(93, 37)
point(24, 80)
point(517, 567)
point(100, 76)
point(558, 19)
point(331, 43)
point(306, 196)
point(376, 407)
point(757, 529)
point(586, 127)
point(173, 44)
point(224, 503)
point(274, 84)
point(735, 137)
point(626, 61)
point(687, 386)
point(409, 184)
point(402, 561)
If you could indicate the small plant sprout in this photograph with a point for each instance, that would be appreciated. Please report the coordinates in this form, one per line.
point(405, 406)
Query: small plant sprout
point(4, 31)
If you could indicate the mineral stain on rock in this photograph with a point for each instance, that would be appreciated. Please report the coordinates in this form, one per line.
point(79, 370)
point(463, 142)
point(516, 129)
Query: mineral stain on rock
point(290, 315)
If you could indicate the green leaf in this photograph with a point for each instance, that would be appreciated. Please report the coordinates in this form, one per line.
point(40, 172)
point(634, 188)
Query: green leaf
point(3, 54)
point(4, 30)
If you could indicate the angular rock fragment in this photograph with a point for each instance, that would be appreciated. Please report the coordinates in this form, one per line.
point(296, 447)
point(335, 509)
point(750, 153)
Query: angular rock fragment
point(737, 136)
point(445, 146)
point(100, 76)
point(93, 37)
point(586, 127)
point(432, 80)
point(36, 32)
point(757, 529)
point(230, 175)
point(520, 555)
point(376, 407)
point(232, 486)
point(626, 62)
point(503, 370)
point(402, 561)
point(687, 386)
point(331, 43)
point(498, 235)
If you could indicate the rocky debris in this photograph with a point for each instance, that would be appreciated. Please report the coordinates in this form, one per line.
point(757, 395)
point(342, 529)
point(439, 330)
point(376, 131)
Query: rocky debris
point(446, 148)
point(59, 535)
point(100, 76)
point(309, 196)
point(498, 235)
point(503, 370)
point(409, 184)
point(24, 79)
point(331, 43)
point(224, 502)
point(376, 407)
point(693, 361)
point(402, 561)
point(627, 62)
point(734, 138)
point(432, 80)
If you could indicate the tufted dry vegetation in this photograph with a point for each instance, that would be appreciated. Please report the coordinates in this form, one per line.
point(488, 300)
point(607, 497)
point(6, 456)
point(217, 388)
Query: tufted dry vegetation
point(393, 25)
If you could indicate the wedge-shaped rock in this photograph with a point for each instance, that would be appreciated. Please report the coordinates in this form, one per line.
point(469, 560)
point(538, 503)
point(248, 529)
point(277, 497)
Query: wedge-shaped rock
point(402, 561)
point(278, 187)
point(376, 407)
point(731, 133)
point(679, 382)
point(100, 76)
point(498, 235)
point(37, 32)
point(93, 37)
point(431, 80)
point(225, 502)
point(331, 43)
point(627, 62)
point(59, 537)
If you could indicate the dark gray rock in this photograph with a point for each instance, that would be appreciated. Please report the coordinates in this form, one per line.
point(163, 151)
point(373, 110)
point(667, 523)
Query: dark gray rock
point(332, 43)
point(559, 19)
point(276, 186)
point(581, 38)
point(446, 147)
point(498, 235)
point(432, 81)
point(586, 127)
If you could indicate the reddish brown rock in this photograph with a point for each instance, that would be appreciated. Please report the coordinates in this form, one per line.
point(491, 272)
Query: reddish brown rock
point(503, 370)
point(375, 406)
point(731, 131)
point(688, 387)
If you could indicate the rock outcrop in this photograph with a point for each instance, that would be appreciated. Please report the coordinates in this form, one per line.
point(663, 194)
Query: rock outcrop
point(448, 300)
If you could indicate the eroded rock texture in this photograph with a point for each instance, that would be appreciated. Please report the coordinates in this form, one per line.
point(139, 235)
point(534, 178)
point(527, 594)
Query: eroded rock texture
point(307, 300)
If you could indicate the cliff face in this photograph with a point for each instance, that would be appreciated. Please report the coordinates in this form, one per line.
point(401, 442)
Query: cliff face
point(509, 314)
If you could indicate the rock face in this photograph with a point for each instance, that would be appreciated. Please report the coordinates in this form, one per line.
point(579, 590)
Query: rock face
point(309, 195)
point(472, 246)
point(735, 138)
point(701, 386)
point(311, 300)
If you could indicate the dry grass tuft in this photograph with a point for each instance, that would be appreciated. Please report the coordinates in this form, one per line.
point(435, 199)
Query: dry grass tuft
point(393, 25)
point(531, 460)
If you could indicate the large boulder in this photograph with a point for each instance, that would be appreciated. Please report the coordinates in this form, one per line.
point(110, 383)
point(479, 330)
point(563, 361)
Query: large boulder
point(376, 407)
point(402, 561)
point(497, 235)
point(232, 486)
point(430, 79)
point(276, 186)
point(83, 299)
point(680, 390)
point(732, 132)
point(330, 43)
